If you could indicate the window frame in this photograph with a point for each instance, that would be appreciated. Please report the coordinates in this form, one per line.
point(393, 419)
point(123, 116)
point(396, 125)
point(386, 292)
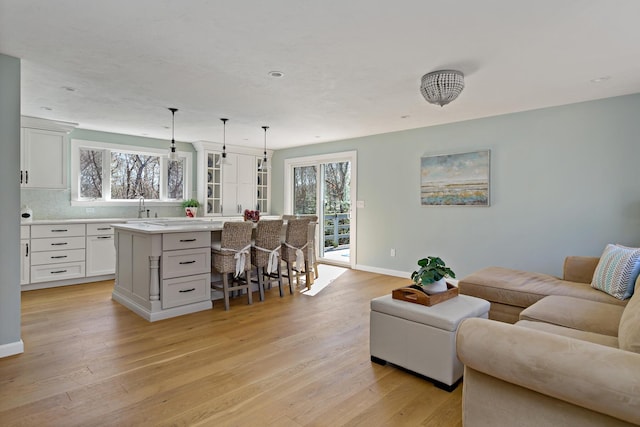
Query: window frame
point(78, 144)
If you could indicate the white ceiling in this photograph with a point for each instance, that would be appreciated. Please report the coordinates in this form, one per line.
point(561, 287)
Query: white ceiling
point(352, 67)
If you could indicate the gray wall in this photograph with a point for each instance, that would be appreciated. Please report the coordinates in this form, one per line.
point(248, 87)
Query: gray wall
point(10, 206)
point(564, 180)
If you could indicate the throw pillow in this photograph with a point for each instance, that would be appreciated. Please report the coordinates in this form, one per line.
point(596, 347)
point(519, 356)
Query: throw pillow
point(617, 271)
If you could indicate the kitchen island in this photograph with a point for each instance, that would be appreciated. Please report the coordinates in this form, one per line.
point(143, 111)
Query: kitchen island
point(163, 267)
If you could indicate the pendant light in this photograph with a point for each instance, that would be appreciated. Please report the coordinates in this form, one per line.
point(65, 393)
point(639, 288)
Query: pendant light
point(264, 166)
point(224, 142)
point(173, 155)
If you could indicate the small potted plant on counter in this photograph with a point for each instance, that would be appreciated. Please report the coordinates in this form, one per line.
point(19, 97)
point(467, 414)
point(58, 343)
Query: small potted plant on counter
point(430, 278)
point(191, 207)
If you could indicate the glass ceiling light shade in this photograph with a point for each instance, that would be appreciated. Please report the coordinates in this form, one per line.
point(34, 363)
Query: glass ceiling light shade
point(173, 155)
point(264, 166)
point(442, 87)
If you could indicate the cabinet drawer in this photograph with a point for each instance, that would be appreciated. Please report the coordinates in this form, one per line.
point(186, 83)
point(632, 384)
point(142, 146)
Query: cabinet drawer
point(185, 290)
point(99, 229)
point(57, 230)
point(47, 273)
point(59, 244)
point(24, 232)
point(197, 239)
point(56, 257)
point(186, 262)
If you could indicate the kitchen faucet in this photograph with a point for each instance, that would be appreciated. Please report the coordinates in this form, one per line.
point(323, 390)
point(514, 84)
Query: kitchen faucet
point(141, 207)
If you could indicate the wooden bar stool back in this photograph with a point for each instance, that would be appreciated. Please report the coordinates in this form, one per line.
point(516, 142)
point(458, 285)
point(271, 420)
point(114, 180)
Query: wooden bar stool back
point(265, 254)
point(233, 256)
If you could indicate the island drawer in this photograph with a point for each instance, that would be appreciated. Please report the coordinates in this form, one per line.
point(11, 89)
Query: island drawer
point(56, 230)
point(47, 273)
point(57, 244)
point(185, 290)
point(186, 262)
point(196, 239)
point(53, 257)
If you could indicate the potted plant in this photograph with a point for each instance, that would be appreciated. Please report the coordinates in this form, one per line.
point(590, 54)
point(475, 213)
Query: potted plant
point(191, 207)
point(430, 278)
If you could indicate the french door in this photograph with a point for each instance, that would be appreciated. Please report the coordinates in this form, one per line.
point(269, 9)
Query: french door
point(326, 186)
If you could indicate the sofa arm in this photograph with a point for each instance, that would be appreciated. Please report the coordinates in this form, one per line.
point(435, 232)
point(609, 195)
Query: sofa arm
point(599, 378)
point(579, 268)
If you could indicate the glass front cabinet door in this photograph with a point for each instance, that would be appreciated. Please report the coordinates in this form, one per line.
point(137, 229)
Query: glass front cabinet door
point(262, 190)
point(213, 182)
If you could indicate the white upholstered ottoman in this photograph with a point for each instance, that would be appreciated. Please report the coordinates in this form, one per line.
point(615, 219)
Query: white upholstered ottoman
point(422, 339)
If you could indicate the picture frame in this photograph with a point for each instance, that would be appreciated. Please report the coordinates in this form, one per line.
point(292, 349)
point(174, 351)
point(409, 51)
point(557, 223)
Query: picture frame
point(459, 179)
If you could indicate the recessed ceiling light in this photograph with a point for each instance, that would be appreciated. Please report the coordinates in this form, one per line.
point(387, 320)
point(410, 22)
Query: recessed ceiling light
point(406, 116)
point(46, 108)
point(276, 74)
point(600, 79)
point(69, 88)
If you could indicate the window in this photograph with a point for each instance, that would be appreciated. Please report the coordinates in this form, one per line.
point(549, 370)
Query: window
point(113, 174)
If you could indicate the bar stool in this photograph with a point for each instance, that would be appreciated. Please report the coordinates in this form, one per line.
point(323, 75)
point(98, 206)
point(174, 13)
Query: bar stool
point(294, 247)
point(265, 254)
point(311, 245)
point(233, 256)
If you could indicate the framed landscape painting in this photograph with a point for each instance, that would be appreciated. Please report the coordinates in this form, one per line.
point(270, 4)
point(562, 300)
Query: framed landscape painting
point(455, 179)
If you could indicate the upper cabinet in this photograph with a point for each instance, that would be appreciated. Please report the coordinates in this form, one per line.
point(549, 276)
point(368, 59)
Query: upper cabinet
point(44, 153)
point(228, 186)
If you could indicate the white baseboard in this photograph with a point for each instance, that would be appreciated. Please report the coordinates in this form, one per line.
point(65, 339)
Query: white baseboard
point(12, 348)
point(396, 273)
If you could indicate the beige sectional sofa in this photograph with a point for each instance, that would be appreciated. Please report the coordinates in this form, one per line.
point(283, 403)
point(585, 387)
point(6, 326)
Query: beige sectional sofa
point(511, 291)
point(573, 358)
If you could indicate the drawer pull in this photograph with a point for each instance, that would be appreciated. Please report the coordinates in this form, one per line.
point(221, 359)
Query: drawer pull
point(104, 228)
point(104, 237)
point(187, 262)
point(58, 257)
point(186, 290)
point(59, 231)
point(59, 271)
point(59, 244)
point(187, 240)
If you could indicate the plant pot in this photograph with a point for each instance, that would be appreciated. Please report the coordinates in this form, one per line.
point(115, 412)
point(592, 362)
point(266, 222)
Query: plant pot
point(436, 287)
point(191, 212)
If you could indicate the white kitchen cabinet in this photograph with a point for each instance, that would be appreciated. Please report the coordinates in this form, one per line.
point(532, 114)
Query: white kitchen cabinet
point(238, 184)
point(43, 153)
point(25, 254)
point(100, 250)
point(57, 252)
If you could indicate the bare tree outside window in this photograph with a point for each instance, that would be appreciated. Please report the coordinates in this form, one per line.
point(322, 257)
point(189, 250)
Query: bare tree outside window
point(134, 175)
point(175, 179)
point(91, 173)
point(304, 190)
point(337, 181)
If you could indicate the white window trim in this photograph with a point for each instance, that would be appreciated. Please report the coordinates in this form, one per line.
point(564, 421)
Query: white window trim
point(77, 144)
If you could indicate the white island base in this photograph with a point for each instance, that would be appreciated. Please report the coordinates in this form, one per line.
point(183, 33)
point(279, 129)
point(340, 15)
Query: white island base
point(163, 272)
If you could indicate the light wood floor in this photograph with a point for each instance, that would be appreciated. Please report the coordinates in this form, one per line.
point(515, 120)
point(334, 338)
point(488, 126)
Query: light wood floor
point(292, 361)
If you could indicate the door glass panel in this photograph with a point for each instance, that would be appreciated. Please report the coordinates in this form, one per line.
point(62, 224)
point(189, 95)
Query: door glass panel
point(304, 190)
point(336, 208)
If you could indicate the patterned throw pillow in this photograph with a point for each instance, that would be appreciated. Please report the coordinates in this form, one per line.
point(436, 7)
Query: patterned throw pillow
point(617, 271)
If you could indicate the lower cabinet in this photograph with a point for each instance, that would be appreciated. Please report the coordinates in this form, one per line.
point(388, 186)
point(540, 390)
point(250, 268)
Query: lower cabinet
point(101, 250)
point(162, 275)
point(57, 252)
point(25, 254)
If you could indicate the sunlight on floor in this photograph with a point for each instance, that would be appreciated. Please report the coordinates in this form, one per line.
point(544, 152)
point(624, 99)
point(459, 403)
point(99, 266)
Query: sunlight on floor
point(328, 273)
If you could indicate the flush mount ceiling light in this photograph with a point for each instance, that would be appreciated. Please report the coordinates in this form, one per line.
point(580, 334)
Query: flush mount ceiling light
point(442, 87)
point(172, 153)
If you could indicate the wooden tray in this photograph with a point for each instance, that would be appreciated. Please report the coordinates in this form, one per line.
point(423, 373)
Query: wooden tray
point(419, 297)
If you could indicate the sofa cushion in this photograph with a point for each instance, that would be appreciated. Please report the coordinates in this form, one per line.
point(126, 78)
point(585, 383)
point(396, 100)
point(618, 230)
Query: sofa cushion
point(617, 271)
point(576, 313)
point(601, 339)
point(521, 288)
point(629, 331)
